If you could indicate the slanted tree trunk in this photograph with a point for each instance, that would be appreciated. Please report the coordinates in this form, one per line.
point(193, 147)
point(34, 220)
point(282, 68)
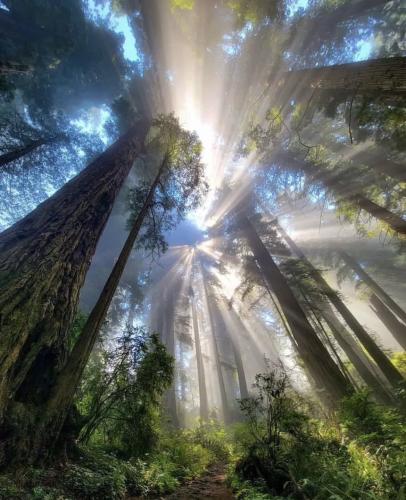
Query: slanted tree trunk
point(340, 190)
point(396, 327)
point(11, 156)
point(204, 405)
point(7, 67)
point(388, 369)
point(209, 301)
point(319, 364)
point(373, 285)
point(354, 354)
point(374, 76)
point(67, 381)
point(43, 262)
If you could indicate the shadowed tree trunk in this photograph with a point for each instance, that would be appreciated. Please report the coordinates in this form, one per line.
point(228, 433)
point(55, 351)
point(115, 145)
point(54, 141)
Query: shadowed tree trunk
point(204, 405)
point(374, 76)
point(376, 353)
point(318, 362)
point(43, 262)
point(66, 382)
point(373, 285)
point(340, 189)
point(344, 339)
point(396, 327)
point(213, 329)
point(29, 148)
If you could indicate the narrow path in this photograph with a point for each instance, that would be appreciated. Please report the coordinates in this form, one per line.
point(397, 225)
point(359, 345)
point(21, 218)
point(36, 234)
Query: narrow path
point(210, 485)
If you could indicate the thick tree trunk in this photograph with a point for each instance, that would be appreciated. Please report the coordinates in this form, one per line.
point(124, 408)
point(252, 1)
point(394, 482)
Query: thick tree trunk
point(396, 327)
point(340, 189)
point(68, 379)
point(373, 285)
point(374, 76)
point(344, 339)
point(43, 262)
point(209, 301)
point(11, 156)
point(204, 405)
point(325, 373)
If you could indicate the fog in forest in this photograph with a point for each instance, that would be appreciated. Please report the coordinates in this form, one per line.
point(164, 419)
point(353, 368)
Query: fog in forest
point(203, 245)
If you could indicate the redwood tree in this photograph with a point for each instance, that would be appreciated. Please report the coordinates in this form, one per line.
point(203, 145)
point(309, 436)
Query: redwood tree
point(43, 262)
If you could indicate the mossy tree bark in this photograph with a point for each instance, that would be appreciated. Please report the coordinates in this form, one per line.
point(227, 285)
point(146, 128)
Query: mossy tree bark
point(43, 262)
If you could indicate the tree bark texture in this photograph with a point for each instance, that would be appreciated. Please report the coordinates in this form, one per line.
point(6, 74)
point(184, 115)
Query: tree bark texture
point(43, 262)
point(377, 75)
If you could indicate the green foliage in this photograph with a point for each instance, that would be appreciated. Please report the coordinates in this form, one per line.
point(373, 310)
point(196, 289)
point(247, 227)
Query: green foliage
point(176, 153)
point(359, 456)
point(182, 4)
point(125, 384)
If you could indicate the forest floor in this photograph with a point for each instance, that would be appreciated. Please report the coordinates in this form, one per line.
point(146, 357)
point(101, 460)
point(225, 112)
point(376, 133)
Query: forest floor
point(211, 485)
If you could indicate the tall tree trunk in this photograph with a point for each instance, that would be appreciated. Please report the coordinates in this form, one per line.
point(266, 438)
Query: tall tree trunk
point(396, 327)
point(29, 148)
point(213, 329)
point(384, 364)
point(318, 362)
point(344, 339)
point(374, 76)
point(204, 405)
point(373, 285)
point(237, 327)
point(68, 379)
point(43, 262)
point(340, 189)
point(53, 411)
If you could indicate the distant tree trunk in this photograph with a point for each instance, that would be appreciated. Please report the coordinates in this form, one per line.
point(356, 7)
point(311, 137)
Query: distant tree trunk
point(373, 285)
point(374, 76)
point(7, 67)
point(384, 364)
point(170, 395)
point(396, 327)
point(204, 405)
point(354, 354)
point(341, 190)
point(222, 387)
point(318, 362)
point(43, 262)
point(237, 327)
point(11, 156)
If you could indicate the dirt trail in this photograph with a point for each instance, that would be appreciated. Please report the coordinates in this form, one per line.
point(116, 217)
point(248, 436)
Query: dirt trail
point(210, 485)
